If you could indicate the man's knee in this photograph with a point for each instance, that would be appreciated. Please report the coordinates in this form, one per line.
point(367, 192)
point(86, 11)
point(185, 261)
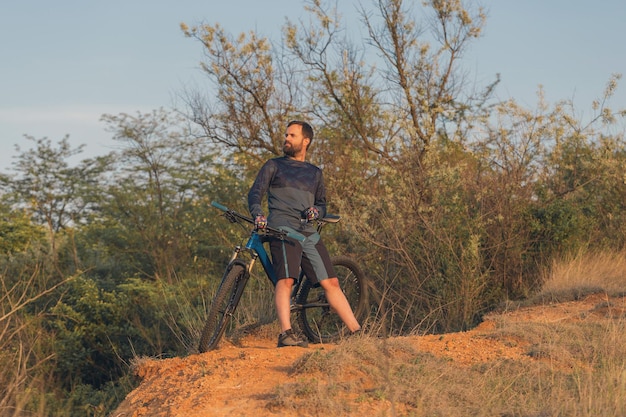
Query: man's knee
point(330, 283)
point(285, 283)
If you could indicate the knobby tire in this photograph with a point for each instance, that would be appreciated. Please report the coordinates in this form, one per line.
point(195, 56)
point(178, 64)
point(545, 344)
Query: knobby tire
point(223, 306)
point(320, 324)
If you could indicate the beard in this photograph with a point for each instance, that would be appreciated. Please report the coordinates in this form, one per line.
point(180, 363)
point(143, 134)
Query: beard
point(291, 150)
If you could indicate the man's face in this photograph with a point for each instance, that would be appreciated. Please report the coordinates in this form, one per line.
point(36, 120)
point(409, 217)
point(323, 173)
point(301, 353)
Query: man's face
point(294, 145)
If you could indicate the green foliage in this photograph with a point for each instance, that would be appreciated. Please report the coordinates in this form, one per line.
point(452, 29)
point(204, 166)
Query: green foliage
point(161, 314)
point(16, 231)
point(558, 226)
point(90, 327)
point(452, 202)
point(85, 400)
point(48, 188)
point(155, 214)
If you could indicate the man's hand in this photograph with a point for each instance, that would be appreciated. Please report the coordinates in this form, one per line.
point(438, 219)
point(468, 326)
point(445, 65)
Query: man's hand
point(260, 222)
point(311, 214)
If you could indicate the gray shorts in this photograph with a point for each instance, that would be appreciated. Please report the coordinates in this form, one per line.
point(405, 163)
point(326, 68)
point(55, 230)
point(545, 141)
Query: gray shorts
point(289, 255)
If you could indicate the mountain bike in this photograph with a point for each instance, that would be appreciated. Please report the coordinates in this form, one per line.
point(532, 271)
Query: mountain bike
point(315, 317)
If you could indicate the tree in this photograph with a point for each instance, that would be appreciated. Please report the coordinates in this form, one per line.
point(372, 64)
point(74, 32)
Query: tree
point(375, 128)
point(157, 191)
point(49, 188)
point(254, 94)
point(454, 201)
point(17, 231)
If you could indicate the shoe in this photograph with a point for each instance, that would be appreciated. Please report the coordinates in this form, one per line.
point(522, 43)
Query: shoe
point(291, 338)
point(347, 334)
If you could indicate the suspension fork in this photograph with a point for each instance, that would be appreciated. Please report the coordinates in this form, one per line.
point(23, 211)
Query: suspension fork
point(253, 257)
point(235, 254)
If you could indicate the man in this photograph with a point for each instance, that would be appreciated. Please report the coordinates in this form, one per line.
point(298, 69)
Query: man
point(296, 197)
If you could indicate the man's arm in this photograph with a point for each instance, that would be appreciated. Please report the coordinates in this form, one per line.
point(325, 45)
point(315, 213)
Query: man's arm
point(320, 196)
point(259, 188)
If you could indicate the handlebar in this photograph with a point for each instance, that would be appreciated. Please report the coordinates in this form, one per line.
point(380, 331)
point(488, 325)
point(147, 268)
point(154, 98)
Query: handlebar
point(231, 214)
point(219, 206)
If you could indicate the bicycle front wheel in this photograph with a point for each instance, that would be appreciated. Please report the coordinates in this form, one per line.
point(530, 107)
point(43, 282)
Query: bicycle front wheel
point(316, 318)
point(224, 305)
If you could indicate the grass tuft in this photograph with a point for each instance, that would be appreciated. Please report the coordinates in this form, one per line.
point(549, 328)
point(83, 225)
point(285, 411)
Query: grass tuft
point(570, 368)
point(587, 272)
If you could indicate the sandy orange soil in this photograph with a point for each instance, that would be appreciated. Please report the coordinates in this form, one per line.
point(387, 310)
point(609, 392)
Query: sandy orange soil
point(240, 380)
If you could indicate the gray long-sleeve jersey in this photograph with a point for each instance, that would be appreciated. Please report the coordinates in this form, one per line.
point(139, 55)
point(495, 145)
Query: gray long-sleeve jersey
point(292, 187)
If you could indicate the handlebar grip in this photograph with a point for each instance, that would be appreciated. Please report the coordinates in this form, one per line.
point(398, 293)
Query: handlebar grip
point(219, 206)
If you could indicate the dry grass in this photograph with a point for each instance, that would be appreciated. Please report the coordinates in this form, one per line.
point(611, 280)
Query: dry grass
point(585, 272)
point(573, 368)
point(24, 361)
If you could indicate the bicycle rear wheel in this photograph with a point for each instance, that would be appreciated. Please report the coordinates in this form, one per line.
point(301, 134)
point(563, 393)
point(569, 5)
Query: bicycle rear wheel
point(224, 305)
point(317, 320)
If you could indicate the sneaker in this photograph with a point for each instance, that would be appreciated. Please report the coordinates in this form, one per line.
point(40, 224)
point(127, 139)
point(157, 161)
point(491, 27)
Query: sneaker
point(291, 338)
point(356, 333)
point(347, 334)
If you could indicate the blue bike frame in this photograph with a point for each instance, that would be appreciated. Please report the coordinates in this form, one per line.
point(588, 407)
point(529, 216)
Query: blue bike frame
point(256, 248)
point(255, 244)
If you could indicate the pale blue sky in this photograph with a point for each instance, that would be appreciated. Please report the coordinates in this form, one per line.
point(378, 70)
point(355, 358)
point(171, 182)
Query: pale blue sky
point(64, 63)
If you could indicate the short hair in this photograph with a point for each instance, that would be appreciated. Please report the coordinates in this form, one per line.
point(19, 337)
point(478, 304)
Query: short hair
point(307, 130)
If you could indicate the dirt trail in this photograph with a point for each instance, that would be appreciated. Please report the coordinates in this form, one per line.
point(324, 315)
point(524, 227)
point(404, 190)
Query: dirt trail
point(240, 380)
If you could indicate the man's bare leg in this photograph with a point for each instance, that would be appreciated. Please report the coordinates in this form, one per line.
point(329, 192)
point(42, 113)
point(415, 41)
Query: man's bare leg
point(282, 298)
point(337, 300)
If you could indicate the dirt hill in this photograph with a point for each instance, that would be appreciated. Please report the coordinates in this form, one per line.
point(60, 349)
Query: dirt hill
point(242, 380)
